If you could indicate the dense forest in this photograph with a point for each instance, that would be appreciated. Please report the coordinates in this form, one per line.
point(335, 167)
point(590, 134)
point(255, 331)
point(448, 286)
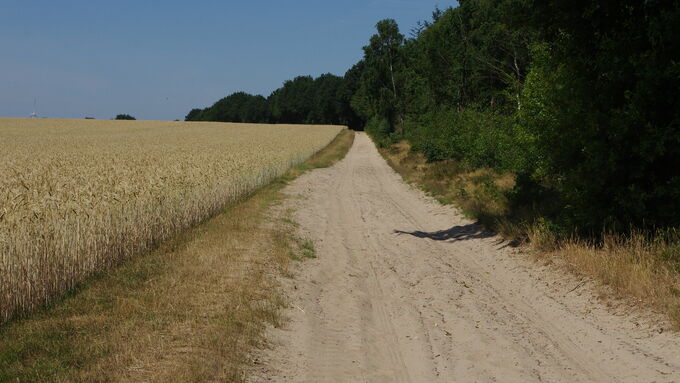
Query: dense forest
point(580, 100)
point(303, 100)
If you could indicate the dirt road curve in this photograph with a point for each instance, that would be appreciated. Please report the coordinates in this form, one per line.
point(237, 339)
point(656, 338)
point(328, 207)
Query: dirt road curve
point(406, 290)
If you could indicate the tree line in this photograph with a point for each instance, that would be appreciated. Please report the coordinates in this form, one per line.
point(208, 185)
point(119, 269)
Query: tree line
point(302, 100)
point(579, 99)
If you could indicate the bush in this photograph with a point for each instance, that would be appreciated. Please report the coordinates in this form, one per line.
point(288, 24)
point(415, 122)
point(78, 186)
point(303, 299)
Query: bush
point(382, 132)
point(478, 138)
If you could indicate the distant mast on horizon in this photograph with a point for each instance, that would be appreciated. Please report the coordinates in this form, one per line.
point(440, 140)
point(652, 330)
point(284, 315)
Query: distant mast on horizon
point(34, 114)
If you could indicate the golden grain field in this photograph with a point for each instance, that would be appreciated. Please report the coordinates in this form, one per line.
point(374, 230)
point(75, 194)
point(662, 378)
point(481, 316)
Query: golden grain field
point(78, 196)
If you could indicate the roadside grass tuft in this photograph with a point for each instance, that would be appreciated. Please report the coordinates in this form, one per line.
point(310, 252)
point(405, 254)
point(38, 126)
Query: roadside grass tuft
point(308, 250)
point(303, 249)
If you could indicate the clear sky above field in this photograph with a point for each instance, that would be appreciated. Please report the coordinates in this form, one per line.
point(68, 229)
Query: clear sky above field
point(157, 60)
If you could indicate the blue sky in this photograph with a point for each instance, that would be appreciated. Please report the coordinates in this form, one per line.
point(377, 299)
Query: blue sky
point(159, 59)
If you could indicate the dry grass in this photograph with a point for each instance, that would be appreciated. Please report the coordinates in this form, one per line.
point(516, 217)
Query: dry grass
point(190, 311)
point(78, 196)
point(644, 267)
point(481, 193)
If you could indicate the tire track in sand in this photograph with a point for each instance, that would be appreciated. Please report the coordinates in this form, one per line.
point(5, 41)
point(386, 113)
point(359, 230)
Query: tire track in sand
point(406, 290)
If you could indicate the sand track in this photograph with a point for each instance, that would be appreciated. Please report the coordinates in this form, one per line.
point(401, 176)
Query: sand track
point(406, 290)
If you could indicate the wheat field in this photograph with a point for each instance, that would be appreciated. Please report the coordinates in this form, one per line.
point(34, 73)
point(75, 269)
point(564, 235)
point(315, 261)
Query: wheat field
point(79, 196)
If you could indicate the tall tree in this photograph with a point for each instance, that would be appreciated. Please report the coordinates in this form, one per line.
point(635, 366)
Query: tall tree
point(380, 85)
point(603, 108)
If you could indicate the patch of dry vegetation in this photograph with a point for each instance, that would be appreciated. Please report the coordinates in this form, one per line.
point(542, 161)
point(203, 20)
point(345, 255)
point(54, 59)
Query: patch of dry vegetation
point(189, 311)
point(480, 193)
point(644, 266)
point(79, 196)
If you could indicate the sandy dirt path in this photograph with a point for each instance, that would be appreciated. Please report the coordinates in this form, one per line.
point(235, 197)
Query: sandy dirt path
point(406, 290)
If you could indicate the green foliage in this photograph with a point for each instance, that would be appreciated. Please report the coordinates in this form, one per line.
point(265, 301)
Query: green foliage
point(472, 55)
point(303, 100)
point(380, 129)
point(193, 115)
point(381, 84)
point(293, 102)
point(602, 106)
point(124, 117)
point(579, 100)
point(477, 137)
point(324, 100)
point(238, 107)
point(307, 248)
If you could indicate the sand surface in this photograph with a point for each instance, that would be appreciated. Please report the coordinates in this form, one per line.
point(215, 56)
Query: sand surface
point(407, 290)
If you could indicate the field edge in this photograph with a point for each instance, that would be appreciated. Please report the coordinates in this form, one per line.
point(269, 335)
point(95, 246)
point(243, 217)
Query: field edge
point(216, 285)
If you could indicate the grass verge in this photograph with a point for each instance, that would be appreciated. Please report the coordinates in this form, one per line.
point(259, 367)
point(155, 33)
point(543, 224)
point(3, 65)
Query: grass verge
point(641, 266)
point(480, 194)
point(189, 311)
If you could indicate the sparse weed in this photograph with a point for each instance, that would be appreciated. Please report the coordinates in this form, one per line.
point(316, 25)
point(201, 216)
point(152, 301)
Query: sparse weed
point(308, 250)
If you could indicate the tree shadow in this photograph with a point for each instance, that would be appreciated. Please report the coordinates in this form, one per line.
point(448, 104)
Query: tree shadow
point(456, 233)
